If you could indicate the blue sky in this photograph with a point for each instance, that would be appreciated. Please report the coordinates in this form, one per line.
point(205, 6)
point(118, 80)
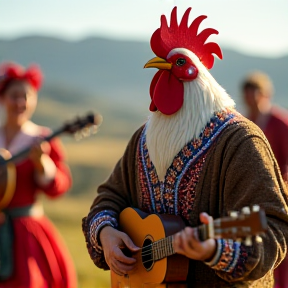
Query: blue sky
point(258, 27)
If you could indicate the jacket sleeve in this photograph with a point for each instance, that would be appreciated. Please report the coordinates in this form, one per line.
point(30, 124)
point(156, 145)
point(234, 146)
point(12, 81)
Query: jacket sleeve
point(252, 176)
point(62, 180)
point(117, 193)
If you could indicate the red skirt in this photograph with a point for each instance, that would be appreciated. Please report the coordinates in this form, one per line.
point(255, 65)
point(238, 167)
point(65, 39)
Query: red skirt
point(41, 259)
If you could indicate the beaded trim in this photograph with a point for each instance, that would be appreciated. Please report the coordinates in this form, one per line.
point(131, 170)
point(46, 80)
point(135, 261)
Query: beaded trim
point(101, 219)
point(164, 197)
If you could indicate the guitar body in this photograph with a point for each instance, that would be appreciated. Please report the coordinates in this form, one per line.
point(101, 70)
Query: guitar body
point(7, 179)
point(145, 229)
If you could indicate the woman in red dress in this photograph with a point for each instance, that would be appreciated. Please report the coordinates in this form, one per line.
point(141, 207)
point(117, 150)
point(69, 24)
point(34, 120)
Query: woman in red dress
point(37, 257)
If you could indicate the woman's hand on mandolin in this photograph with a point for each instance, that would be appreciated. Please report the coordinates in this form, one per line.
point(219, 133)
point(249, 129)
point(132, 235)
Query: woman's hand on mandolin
point(36, 155)
point(113, 242)
point(186, 242)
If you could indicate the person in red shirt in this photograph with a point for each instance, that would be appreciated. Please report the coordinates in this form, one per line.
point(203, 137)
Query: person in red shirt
point(257, 89)
point(35, 256)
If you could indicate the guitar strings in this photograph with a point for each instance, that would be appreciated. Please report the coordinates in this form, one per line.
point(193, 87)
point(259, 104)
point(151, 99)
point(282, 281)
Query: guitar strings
point(148, 251)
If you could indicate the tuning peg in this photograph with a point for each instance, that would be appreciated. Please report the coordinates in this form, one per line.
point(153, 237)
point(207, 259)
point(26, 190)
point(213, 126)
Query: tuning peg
point(233, 214)
point(246, 210)
point(258, 239)
point(248, 241)
point(256, 208)
point(78, 136)
point(85, 132)
point(94, 129)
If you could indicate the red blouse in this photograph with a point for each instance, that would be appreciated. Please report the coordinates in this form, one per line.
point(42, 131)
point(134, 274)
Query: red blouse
point(27, 188)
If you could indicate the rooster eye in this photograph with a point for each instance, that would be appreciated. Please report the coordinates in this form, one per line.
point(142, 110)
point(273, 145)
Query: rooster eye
point(180, 61)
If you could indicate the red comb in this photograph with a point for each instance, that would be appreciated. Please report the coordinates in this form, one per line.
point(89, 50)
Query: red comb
point(165, 38)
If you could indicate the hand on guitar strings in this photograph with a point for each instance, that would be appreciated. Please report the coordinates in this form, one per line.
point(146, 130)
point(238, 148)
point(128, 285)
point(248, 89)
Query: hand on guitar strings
point(186, 242)
point(113, 243)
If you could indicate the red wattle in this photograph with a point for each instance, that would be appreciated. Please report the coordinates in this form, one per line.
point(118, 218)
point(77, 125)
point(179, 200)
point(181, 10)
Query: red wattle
point(167, 92)
point(154, 81)
point(152, 107)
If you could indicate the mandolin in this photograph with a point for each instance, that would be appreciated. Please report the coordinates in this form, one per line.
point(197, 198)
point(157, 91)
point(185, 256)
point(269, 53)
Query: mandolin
point(80, 127)
point(156, 261)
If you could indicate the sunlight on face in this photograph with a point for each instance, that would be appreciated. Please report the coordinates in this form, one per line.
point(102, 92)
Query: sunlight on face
point(19, 101)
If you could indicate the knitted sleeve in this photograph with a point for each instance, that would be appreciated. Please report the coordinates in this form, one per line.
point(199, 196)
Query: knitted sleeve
point(117, 193)
point(251, 176)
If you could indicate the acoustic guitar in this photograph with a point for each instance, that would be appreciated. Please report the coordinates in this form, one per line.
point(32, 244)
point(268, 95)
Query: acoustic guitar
point(156, 261)
point(81, 127)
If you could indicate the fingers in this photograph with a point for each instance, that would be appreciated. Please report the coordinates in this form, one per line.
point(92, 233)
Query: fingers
point(119, 263)
point(118, 255)
point(129, 244)
point(120, 268)
point(190, 240)
point(177, 243)
point(205, 218)
point(186, 241)
point(113, 243)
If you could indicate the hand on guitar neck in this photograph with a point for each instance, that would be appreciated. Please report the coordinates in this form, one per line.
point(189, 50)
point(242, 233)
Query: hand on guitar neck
point(187, 243)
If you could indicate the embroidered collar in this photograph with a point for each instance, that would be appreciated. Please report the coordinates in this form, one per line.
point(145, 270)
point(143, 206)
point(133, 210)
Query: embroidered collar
point(162, 191)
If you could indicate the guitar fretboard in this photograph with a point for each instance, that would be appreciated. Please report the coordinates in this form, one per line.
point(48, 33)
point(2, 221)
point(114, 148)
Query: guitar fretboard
point(164, 247)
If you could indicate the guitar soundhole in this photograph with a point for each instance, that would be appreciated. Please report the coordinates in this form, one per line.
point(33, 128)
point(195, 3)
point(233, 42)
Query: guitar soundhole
point(147, 254)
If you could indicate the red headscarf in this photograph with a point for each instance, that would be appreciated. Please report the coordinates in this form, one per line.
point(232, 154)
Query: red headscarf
point(12, 71)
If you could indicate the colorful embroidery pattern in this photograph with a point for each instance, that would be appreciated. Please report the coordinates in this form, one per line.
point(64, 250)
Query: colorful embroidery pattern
point(230, 257)
point(187, 187)
point(100, 220)
point(167, 196)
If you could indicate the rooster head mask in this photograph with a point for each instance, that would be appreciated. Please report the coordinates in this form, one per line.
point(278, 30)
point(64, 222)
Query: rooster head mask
point(167, 89)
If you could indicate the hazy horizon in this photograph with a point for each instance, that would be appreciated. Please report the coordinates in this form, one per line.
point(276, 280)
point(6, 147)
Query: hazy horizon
point(252, 27)
point(111, 38)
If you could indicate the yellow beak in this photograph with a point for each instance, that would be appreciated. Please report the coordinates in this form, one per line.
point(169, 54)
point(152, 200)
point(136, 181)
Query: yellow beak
point(159, 63)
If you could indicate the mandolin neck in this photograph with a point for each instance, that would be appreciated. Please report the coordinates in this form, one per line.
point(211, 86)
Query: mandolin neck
point(25, 151)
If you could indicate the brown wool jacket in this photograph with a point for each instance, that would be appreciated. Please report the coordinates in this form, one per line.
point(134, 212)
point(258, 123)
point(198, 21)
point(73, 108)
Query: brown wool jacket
point(240, 170)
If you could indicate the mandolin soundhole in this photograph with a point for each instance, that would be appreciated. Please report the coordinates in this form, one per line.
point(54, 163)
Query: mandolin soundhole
point(147, 254)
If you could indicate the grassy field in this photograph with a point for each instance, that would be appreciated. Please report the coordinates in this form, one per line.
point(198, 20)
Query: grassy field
point(91, 162)
point(66, 214)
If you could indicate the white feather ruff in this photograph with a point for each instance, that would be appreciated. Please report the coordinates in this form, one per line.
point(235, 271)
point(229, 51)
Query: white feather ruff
point(168, 134)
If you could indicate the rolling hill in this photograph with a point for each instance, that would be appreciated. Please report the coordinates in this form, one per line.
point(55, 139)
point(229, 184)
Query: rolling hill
point(112, 70)
point(107, 76)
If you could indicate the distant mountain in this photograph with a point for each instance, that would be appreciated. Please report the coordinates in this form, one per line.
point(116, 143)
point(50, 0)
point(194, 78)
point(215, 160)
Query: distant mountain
point(112, 69)
point(106, 76)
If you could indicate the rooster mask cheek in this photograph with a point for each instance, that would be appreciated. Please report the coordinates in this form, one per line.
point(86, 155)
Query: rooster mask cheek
point(167, 93)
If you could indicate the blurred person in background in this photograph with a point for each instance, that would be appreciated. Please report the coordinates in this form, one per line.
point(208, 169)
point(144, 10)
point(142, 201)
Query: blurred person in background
point(32, 253)
point(257, 89)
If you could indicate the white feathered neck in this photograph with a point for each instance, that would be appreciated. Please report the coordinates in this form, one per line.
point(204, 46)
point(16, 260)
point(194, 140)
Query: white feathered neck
point(167, 135)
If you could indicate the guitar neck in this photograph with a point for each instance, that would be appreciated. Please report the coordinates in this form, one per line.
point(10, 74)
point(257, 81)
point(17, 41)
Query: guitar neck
point(164, 247)
point(25, 151)
point(242, 225)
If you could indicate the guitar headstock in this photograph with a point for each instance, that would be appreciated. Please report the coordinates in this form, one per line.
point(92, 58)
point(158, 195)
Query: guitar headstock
point(241, 225)
point(83, 126)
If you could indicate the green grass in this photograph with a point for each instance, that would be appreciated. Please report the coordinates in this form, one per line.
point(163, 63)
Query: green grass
point(91, 161)
point(66, 213)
